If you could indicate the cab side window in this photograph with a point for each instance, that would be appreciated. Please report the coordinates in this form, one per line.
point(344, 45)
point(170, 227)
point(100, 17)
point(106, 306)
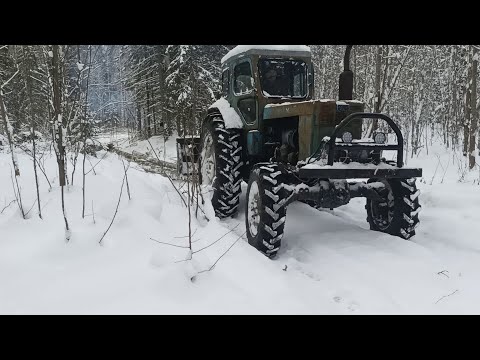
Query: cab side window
point(225, 82)
point(243, 80)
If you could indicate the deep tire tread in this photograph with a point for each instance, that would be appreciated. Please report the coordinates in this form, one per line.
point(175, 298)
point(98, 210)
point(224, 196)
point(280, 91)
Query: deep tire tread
point(405, 207)
point(226, 185)
point(272, 212)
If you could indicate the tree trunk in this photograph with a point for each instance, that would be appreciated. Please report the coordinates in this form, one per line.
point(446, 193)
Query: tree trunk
point(28, 83)
point(9, 131)
point(61, 125)
point(84, 129)
point(474, 114)
point(148, 116)
point(466, 120)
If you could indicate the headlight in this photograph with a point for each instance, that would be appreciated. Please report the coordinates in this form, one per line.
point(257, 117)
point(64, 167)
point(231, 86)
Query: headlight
point(380, 138)
point(347, 137)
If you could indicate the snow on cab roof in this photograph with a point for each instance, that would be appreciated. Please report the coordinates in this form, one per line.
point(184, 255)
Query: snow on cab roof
point(243, 48)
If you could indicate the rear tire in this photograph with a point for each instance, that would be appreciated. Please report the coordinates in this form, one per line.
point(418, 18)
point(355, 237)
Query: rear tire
point(220, 165)
point(265, 210)
point(398, 214)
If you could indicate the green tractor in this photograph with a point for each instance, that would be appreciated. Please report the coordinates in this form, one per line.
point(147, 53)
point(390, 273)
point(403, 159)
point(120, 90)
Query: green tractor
point(267, 130)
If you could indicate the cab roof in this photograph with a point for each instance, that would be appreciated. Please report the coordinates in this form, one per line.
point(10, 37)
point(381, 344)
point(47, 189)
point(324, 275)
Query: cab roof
point(268, 50)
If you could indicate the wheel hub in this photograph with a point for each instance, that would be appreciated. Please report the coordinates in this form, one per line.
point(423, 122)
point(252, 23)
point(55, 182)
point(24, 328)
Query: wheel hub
point(253, 212)
point(382, 211)
point(207, 160)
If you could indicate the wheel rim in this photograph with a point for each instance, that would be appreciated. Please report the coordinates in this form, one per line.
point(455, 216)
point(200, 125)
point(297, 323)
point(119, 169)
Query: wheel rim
point(382, 211)
point(253, 213)
point(208, 168)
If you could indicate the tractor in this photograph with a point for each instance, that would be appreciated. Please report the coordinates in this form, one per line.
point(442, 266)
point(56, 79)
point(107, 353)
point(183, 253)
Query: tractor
point(267, 129)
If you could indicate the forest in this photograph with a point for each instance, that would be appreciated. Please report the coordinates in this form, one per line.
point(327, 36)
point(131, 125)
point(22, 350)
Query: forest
point(64, 192)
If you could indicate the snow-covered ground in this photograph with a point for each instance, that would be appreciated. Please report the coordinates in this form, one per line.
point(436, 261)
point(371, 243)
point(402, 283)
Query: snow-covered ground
point(330, 263)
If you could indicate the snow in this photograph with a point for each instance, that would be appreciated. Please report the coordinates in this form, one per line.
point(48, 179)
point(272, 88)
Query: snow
point(230, 116)
point(329, 263)
point(268, 106)
point(293, 103)
point(242, 48)
point(355, 102)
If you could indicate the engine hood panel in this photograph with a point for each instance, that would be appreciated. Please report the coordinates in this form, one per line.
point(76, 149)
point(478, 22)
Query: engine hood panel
point(302, 108)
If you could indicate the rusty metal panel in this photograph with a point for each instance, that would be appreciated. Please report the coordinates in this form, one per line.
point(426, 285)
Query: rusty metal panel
point(305, 136)
point(277, 111)
point(326, 112)
point(316, 121)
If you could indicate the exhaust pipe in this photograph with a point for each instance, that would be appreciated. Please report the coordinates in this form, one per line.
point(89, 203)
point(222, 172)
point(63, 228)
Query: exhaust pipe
point(345, 86)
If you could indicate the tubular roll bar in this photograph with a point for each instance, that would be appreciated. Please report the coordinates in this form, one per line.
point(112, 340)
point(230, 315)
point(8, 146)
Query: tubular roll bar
point(333, 145)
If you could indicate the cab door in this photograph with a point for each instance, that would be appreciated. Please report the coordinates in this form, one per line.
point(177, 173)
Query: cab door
point(244, 98)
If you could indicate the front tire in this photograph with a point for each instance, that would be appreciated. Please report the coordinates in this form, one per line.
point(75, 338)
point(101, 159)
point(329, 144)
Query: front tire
point(265, 210)
point(397, 213)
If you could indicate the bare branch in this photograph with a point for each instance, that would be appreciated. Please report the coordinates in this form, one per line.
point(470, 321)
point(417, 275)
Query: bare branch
point(443, 272)
point(125, 169)
point(116, 210)
point(215, 263)
point(164, 243)
point(11, 202)
point(168, 177)
point(194, 252)
point(5, 84)
point(103, 157)
point(443, 297)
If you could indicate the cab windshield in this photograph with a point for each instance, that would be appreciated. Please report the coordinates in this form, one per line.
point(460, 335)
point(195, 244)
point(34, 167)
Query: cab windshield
point(283, 78)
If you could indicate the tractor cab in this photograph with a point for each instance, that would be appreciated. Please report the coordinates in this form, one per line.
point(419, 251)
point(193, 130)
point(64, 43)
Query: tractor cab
point(255, 76)
point(271, 88)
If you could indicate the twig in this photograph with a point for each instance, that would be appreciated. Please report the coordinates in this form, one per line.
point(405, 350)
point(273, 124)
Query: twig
point(186, 236)
point(443, 273)
point(443, 177)
point(11, 202)
point(433, 177)
point(44, 205)
point(125, 169)
point(164, 243)
point(17, 195)
point(40, 166)
point(116, 210)
point(93, 213)
point(216, 240)
point(6, 82)
point(97, 163)
point(446, 296)
point(168, 177)
point(31, 208)
point(93, 168)
point(215, 263)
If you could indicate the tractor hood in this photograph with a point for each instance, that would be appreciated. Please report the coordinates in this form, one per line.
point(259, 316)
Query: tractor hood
point(326, 111)
point(316, 119)
point(302, 108)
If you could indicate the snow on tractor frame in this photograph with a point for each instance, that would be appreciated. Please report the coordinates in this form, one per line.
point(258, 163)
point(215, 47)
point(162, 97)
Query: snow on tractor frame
point(267, 130)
